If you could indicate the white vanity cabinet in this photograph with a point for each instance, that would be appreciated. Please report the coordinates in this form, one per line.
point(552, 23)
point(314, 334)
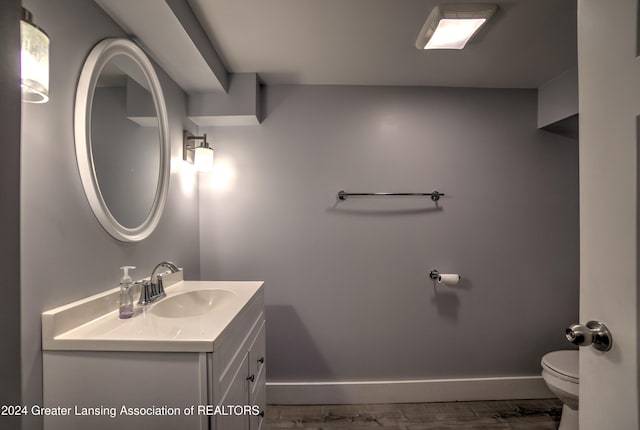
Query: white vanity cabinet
point(242, 382)
point(238, 374)
point(164, 382)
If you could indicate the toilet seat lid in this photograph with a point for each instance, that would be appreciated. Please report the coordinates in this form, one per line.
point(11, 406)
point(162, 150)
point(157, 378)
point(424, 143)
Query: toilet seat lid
point(564, 363)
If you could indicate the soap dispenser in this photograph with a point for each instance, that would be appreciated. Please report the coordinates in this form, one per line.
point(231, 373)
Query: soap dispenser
point(126, 293)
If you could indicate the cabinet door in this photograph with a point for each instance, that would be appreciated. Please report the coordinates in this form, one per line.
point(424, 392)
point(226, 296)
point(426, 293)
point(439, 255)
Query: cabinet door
point(256, 422)
point(257, 362)
point(236, 395)
point(257, 387)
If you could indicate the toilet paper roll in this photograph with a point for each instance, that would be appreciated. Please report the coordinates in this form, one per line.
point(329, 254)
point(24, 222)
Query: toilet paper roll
point(449, 279)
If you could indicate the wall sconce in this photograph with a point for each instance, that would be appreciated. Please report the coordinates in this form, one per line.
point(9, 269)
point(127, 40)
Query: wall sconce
point(200, 156)
point(34, 61)
point(451, 26)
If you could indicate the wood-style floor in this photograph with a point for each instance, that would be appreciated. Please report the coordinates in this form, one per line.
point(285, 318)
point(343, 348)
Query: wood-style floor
point(498, 415)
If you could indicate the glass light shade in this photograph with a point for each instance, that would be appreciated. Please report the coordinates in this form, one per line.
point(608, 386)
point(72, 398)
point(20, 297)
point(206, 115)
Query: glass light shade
point(203, 159)
point(34, 63)
point(452, 26)
point(453, 33)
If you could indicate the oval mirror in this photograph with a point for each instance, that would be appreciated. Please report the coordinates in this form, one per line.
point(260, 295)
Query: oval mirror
point(121, 136)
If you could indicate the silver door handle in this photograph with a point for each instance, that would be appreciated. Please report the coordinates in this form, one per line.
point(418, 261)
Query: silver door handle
point(593, 333)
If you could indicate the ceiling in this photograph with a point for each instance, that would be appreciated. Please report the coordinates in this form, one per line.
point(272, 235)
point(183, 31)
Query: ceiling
point(371, 42)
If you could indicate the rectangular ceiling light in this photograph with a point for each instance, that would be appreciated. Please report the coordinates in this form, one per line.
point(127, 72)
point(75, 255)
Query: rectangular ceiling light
point(451, 26)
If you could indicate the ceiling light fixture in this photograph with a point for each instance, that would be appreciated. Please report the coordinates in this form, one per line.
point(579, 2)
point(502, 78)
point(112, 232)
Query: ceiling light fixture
point(34, 61)
point(451, 26)
point(200, 156)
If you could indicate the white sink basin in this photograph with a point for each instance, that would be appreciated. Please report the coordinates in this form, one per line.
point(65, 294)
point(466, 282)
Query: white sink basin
point(192, 303)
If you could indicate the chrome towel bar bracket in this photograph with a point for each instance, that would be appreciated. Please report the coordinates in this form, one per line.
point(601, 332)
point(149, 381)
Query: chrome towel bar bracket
point(435, 195)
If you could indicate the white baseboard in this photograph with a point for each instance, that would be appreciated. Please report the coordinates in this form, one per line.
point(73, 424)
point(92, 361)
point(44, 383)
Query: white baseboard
point(414, 391)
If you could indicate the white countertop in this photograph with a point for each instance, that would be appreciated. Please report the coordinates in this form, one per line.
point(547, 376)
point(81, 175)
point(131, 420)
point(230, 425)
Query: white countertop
point(92, 324)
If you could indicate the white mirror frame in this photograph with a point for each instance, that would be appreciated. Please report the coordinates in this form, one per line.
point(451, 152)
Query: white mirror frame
point(98, 57)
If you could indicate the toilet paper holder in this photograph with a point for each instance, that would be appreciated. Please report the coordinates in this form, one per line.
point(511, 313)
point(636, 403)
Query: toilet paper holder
point(435, 276)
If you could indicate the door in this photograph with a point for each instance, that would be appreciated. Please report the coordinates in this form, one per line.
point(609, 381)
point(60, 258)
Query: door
point(609, 92)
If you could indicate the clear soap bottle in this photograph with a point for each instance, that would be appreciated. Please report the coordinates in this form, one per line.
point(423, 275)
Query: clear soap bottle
point(126, 293)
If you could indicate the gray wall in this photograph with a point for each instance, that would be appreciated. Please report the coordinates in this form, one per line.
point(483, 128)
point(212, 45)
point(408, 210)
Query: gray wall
point(10, 205)
point(558, 98)
point(347, 290)
point(66, 255)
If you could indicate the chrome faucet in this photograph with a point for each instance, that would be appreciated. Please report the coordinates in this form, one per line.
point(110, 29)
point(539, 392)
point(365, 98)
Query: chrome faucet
point(153, 290)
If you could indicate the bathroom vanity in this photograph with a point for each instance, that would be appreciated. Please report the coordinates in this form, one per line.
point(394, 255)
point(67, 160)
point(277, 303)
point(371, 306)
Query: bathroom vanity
point(194, 360)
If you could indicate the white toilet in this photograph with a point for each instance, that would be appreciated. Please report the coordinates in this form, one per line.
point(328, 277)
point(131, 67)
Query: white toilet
point(560, 372)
